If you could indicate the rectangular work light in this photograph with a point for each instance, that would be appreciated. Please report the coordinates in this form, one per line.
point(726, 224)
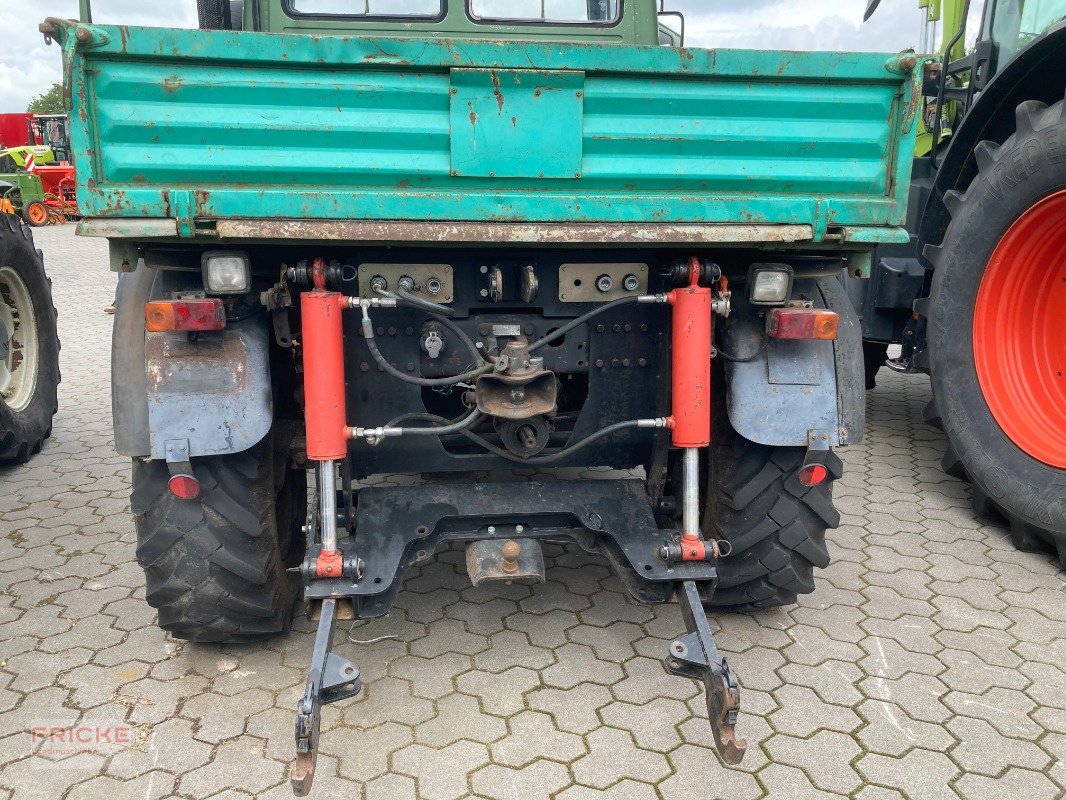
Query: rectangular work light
point(226, 272)
point(769, 284)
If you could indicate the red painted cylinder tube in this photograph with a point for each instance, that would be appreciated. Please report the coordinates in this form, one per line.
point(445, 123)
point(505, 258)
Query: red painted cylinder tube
point(323, 353)
point(691, 362)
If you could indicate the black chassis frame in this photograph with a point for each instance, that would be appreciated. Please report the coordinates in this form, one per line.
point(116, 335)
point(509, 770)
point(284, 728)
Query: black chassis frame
point(620, 356)
point(399, 527)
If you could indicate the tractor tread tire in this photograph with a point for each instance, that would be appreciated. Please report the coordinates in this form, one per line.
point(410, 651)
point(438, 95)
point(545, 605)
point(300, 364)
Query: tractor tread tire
point(215, 566)
point(776, 526)
point(1005, 482)
point(23, 433)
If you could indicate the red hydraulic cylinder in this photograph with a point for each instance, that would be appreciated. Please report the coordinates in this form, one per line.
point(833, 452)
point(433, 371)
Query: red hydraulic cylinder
point(323, 353)
point(691, 362)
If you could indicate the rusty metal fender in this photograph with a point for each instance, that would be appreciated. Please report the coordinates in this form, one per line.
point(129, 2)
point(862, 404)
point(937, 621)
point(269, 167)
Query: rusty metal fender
point(790, 389)
point(212, 391)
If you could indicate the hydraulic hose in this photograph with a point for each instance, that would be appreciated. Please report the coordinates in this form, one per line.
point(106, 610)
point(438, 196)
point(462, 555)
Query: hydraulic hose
point(368, 334)
point(404, 298)
point(458, 426)
point(506, 454)
point(560, 332)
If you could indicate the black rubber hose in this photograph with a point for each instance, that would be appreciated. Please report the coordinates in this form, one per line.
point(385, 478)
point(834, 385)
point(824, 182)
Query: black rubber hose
point(458, 426)
point(368, 334)
point(580, 321)
point(404, 298)
point(506, 454)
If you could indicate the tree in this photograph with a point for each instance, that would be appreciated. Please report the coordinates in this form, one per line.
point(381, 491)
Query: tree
point(51, 102)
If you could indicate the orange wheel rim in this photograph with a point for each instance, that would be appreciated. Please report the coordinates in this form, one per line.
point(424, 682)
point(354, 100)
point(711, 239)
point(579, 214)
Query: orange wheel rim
point(1019, 332)
point(38, 213)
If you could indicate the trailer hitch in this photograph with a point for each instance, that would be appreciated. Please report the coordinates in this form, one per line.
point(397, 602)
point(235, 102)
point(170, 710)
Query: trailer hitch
point(330, 678)
point(695, 655)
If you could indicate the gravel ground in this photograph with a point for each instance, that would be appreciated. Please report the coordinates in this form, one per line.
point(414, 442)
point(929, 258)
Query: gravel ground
point(929, 663)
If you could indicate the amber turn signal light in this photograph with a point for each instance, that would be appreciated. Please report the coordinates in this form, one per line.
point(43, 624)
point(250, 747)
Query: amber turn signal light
point(802, 323)
point(185, 315)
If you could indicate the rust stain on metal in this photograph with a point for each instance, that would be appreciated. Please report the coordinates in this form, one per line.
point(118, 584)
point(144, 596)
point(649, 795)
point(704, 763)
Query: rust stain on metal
point(473, 113)
point(200, 198)
point(496, 89)
point(509, 232)
point(172, 83)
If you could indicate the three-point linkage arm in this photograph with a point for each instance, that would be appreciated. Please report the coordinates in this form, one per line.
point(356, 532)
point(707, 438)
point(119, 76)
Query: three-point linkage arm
point(695, 655)
point(329, 679)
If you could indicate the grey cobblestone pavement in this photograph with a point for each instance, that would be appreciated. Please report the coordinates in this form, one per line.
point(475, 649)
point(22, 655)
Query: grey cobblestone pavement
point(929, 663)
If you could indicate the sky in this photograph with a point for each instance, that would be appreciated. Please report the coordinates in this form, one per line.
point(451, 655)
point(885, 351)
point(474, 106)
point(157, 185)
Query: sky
point(28, 67)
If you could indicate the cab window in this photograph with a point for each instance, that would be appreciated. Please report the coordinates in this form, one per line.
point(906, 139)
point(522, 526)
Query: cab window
point(413, 9)
point(604, 12)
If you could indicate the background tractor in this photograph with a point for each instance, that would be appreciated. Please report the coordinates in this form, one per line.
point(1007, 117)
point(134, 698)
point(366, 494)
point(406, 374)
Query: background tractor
point(36, 176)
point(978, 296)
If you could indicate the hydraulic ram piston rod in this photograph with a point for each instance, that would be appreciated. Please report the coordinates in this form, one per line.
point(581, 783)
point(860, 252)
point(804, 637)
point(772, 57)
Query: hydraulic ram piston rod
point(324, 411)
point(691, 383)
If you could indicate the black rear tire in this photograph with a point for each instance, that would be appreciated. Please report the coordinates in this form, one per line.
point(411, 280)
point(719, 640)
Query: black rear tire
point(23, 429)
point(775, 525)
point(1006, 481)
point(216, 566)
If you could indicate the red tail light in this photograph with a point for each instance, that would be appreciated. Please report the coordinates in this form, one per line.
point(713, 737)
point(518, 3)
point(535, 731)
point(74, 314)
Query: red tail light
point(185, 487)
point(813, 474)
point(206, 314)
point(803, 323)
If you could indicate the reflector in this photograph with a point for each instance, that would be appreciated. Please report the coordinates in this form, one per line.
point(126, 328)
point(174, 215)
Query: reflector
point(813, 474)
point(185, 487)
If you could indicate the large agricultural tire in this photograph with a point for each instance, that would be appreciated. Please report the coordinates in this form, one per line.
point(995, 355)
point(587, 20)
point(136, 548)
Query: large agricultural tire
point(997, 340)
point(775, 525)
point(29, 345)
point(216, 566)
point(753, 499)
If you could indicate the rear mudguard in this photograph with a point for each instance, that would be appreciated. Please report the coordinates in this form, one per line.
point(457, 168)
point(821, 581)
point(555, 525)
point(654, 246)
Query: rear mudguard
point(793, 388)
point(212, 392)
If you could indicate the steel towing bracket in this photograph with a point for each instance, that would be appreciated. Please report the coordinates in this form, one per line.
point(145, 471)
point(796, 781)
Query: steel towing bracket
point(695, 655)
point(330, 678)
